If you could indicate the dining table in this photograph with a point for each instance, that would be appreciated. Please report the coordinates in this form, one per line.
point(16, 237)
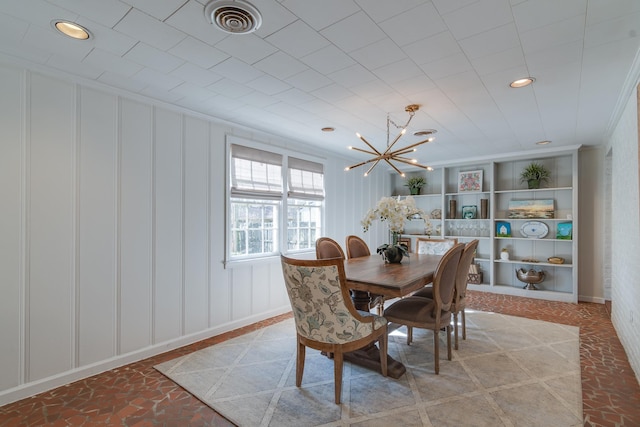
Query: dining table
point(370, 276)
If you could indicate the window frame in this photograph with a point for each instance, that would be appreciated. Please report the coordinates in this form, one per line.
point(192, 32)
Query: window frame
point(283, 202)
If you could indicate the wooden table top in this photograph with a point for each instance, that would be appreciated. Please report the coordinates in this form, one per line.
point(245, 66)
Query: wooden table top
point(371, 274)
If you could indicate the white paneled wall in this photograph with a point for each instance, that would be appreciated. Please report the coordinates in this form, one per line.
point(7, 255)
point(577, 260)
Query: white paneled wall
point(112, 231)
point(625, 229)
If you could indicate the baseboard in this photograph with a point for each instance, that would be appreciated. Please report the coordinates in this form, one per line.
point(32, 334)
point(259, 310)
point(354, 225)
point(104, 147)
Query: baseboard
point(35, 387)
point(596, 300)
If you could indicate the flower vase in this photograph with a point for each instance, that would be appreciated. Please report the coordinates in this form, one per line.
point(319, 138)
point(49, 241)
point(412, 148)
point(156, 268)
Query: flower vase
point(393, 255)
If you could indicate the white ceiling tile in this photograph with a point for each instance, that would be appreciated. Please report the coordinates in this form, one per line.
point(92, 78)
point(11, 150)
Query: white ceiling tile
point(332, 93)
point(190, 20)
point(507, 59)
point(342, 33)
point(274, 17)
point(623, 28)
point(433, 48)
point(356, 74)
point(196, 75)
point(328, 59)
point(402, 28)
point(193, 92)
point(158, 9)
point(11, 29)
point(236, 70)
point(151, 31)
point(478, 17)
point(280, 65)
point(154, 78)
point(564, 32)
point(448, 6)
point(297, 39)
point(246, 47)
point(198, 52)
point(492, 41)
point(109, 62)
point(107, 39)
point(567, 53)
point(294, 96)
point(541, 13)
point(61, 62)
point(122, 82)
point(398, 71)
point(321, 14)
point(268, 85)
point(413, 85)
point(107, 13)
point(384, 10)
point(53, 42)
point(161, 93)
point(151, 57)
point(454, 64)
point(378, 54)
point(258, 99)
point(229, 88)
point(308, 80)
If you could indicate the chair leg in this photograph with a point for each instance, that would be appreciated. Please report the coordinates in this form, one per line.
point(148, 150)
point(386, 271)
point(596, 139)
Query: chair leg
point(409, 335)
point(455, 329)
point(383, 343)
point(381, 307)
point(464, 325)
point(337, 374)
point(436, 351)
point(448, 329)
point(300, 364)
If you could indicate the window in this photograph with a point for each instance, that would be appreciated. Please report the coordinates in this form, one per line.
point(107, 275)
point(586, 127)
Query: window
point(257, 199)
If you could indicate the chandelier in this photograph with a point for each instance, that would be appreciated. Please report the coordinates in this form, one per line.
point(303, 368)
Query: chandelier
point(390, 155)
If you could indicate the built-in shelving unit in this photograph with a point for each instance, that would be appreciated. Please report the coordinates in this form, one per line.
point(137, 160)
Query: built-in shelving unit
point(499, 186)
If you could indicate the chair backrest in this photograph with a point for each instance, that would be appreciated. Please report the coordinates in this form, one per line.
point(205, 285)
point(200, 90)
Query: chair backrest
point(356, 247)
point(328, 248)
point(434, 246)
point(462, 275)
point(444, 279)
point(320, 301)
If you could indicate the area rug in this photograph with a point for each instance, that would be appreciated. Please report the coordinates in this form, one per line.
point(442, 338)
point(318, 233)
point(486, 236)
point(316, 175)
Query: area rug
point(510, 371)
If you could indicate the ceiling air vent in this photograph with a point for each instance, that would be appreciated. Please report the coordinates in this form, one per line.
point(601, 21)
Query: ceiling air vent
point(233, 17)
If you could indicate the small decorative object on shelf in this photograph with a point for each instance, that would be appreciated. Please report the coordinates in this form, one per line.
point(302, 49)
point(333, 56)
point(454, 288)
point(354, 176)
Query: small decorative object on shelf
point(530, 277)
point(436, 214)
point(564, 231)
point(556, 260)
point(415, 184)
point(534, 175)
point(469, 212)
point(484, 208)
point(475, 275)
point(453, 207)
point(504, 254)
point(503, 229)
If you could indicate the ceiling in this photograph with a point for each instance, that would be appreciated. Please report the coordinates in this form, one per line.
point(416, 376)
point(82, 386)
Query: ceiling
point(348, 63)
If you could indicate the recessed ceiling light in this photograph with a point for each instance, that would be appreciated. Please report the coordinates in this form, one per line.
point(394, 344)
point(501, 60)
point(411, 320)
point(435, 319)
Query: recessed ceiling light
point(328, 129)
point(522, 82)
point(543, 142)
point(71, 29)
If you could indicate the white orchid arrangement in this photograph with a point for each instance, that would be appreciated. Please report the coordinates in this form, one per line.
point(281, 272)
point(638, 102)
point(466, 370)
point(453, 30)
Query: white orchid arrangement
point(395, 211)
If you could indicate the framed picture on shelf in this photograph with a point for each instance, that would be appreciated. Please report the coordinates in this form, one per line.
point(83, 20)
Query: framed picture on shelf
point(469, 212)
point(503, 229)
point(470, 181)
point(526, 209)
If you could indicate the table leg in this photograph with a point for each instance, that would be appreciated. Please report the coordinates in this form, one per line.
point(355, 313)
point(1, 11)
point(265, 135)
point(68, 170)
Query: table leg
point(369, 356)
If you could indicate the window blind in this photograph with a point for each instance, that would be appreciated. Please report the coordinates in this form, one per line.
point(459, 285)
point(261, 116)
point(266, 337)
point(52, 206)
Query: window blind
point(306, 179)
point(255, 173)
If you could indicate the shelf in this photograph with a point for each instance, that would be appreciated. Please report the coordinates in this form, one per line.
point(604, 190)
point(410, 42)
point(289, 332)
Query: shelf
point(534, 219)
point(468, 193)
point(533, 190)
point(548, 264)
point(533, 239)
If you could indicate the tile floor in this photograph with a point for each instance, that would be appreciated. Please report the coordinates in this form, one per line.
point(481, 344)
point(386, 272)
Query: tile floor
point(136, 395)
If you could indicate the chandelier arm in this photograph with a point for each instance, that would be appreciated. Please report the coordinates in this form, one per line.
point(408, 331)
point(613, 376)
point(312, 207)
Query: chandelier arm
point(394, 141)
point(364, 151)
point(394, 166)
point(367, 142)
point(409, 162)
point(371, 168)
point(363, 163)
point(393, 153)
point(402, 151)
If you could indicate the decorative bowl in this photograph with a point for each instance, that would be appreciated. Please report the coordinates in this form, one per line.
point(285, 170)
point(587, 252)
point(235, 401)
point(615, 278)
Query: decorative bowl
point(555, 260)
